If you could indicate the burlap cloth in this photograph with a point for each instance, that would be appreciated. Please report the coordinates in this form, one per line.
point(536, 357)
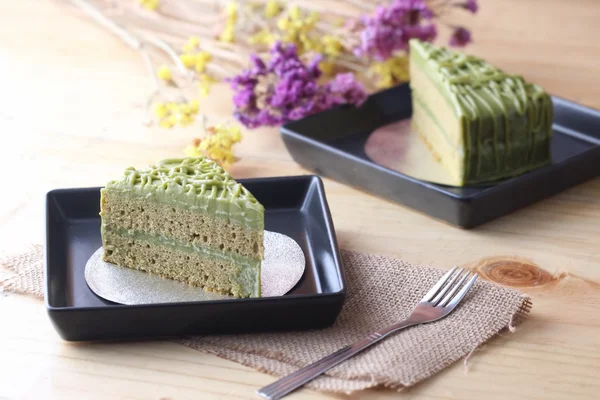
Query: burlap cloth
point(381, 291)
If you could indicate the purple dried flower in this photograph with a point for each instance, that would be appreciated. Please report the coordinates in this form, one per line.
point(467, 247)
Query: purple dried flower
point(286, 89)
point(460, 37)
point(390, 28)
point(259, 65)
point(345, 89)
point(425, 33)
point(471, 5)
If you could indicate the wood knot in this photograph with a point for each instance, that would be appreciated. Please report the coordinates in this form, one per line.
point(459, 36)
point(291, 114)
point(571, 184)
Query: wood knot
point(515, 272)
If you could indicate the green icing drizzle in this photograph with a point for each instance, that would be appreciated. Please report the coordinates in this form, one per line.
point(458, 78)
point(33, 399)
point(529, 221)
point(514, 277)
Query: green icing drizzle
point(194, 183)
point(507, 122)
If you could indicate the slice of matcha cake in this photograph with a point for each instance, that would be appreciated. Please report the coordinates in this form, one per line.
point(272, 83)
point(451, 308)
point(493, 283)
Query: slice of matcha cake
point(187, 220)
point(480, 123)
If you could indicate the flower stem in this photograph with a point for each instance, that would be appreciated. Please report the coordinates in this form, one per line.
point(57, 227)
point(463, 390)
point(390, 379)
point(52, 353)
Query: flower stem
point(111, 25)
point(185, 12)
point(312, 6)
point(363, 5)
point(148, 118)
point(350, 65)
point(219, 69)
point(164, 46)
point(151, 68)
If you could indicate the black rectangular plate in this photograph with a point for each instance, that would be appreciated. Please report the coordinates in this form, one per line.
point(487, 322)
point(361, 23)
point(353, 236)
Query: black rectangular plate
point(294, 206)
point(331, 143)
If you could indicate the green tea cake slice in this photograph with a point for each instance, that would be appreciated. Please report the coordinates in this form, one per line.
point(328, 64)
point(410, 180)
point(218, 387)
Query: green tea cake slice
point(480, 123)
point(187, 220)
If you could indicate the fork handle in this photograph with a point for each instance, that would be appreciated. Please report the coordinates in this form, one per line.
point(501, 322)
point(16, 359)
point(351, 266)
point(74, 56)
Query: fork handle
point(293, 381)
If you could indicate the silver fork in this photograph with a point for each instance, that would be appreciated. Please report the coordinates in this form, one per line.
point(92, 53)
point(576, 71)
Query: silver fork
point(440, 301)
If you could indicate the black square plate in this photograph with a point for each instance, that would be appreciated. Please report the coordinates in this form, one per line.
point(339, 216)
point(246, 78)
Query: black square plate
point(294, 206)
point(332, 144)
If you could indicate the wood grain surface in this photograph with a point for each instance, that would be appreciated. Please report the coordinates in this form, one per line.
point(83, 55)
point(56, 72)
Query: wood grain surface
point(71, 107)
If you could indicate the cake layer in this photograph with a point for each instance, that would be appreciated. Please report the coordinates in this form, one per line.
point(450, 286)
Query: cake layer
point(499, 125)
point(198, 228)
point(228, 274)
point(197, 184)
point(427, 92)
point(435, 137)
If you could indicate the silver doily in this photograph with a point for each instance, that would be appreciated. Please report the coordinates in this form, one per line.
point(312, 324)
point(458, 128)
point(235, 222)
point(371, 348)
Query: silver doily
point(281, 269)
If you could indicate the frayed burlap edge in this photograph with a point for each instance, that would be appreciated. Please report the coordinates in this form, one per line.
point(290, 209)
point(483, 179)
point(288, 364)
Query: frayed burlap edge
point(23, 273)
point(266, 361)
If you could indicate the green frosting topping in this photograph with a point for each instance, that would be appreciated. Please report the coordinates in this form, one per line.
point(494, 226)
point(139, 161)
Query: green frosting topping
point(507, 122)
point(195, 183)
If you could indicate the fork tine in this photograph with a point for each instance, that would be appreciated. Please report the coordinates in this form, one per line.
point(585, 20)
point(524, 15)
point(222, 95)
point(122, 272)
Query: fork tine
point(438, 285)
point(447, 287)
point(462, 293)
point(449, 296)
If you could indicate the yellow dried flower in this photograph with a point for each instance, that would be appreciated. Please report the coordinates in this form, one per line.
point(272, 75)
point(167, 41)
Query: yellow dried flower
point(188, 59)
point(228, 33)
point(217, 145)
point(202, 58)
point(197, 60)
point(263, 37)
point(165, 123)
point(283, 23)
point(184, 119)
point(191, 44)
point(164, 73)
point(172, 114)
point(184, 109)
point(173, 119)
point(205, 84)
point(236, 134)
point(331, 46)
point(391, 71)
point(327, 68)
point(295, 13)
point(194, 106)
point(309, 44)
point(231, 11)
point(149, 4)
point(296, 28)
point(192, 151)
point(272, 8)
point(160, 110)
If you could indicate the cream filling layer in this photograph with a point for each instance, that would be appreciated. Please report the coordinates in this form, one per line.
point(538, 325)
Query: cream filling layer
point(249, 272)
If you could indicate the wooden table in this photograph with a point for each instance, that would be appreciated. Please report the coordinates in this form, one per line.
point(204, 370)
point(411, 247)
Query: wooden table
point(70, 110)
